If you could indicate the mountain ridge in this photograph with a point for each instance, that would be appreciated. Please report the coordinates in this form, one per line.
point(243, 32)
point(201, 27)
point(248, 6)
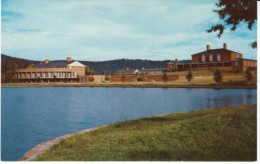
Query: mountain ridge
point(104, 67)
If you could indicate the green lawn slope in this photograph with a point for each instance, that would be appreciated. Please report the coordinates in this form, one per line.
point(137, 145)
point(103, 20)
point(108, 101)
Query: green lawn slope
point(222, 134)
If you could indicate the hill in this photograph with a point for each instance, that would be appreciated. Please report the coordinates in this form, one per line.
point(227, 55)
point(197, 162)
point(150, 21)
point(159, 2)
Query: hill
point(99, 67)
point(6, 58)
point(114, 65)
point(9, 64)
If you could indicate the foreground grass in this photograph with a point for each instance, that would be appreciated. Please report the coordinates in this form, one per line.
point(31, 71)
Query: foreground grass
point(223, 134)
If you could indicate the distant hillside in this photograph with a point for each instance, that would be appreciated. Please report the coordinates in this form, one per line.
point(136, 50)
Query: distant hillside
point(105, 66)
point(9, 64)
point(114, 65)
point(5, 59)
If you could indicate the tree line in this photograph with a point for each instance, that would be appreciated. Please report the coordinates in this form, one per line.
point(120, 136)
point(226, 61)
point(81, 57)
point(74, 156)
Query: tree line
point(9, 66)
point(218, 77)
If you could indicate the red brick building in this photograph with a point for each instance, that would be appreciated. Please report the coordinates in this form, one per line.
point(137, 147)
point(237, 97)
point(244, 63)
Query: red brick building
point(213, 59)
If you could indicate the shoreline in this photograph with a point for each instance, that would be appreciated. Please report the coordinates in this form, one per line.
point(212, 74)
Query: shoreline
point(135, 85)
point(37, 150)
point(41, 148)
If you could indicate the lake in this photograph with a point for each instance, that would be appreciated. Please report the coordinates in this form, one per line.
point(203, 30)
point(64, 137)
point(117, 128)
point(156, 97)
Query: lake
point(34, 115)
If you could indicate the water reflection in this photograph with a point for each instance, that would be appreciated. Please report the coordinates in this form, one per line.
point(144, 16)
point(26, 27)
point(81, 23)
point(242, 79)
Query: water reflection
point(229, 101)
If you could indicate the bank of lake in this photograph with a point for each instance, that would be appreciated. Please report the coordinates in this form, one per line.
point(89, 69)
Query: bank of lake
point(224, 85)
point(221, 134)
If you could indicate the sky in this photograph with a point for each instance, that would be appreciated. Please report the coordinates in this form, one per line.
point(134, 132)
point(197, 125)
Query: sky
point(100, 30)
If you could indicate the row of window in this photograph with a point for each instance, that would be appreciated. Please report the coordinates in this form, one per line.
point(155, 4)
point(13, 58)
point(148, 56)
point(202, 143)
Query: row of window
point(203, 58)
point(250, 63)
point(52, 74)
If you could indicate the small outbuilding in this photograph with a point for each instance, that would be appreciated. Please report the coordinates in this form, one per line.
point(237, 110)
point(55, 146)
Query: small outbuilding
point(127, 71)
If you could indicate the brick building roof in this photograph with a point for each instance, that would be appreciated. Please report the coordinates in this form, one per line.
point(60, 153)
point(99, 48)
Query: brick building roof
point(215, 51)
point(245, 59)
point(53, 64)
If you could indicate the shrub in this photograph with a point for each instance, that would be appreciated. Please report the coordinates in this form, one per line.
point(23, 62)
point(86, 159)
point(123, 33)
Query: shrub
point(189, 76)
point(139, 79)
point(237, 71)
point(38, 80)
point(123, 78)
point(91, 79)
point(66, 80)
point(218, 76)
point(164, 77)
point(248, 75)
point(107, 78)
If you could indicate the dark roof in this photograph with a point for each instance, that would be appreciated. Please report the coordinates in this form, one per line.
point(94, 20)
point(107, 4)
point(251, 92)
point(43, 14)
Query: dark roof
point(172, 62)
point(153, 69)
point(181, 61)
point(215, 51)
point(202, 63)
point(185, 61)
point(246, 59)
point(126, 70)
point(53, 64)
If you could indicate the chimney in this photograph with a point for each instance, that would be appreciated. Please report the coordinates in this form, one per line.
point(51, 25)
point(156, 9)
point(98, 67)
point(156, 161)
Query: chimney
point(208, 47)
point(46, 61)
point(176, 60)
point(68, 59)
point(225, 46)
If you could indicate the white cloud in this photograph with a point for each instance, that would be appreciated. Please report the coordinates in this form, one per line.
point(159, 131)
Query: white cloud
point(98, 30)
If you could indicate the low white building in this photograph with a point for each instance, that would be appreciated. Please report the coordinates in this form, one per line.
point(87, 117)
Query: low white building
point(51, 70)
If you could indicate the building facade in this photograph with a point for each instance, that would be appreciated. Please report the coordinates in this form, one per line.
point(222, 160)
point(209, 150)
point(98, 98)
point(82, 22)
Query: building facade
point(49, 71)
point(213, 59)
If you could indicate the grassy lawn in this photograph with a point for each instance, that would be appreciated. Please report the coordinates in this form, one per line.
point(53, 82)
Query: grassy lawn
point(223, 134)
point(202, 79)
point(204, 73)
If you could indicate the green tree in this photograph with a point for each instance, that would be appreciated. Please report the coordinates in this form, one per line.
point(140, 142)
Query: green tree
point(30, 66)
point(54, 78)
point(88, 71)
point(107, 78)
point(123, 78)
point(165, 77)
point(18, 64)
point(66, 79)
point(38, 80)
point(91, 79)
point(8, 67)
point(141, 77)
point(217, 76)
point(248, 75)
point(234, 12)
point(189, 76)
